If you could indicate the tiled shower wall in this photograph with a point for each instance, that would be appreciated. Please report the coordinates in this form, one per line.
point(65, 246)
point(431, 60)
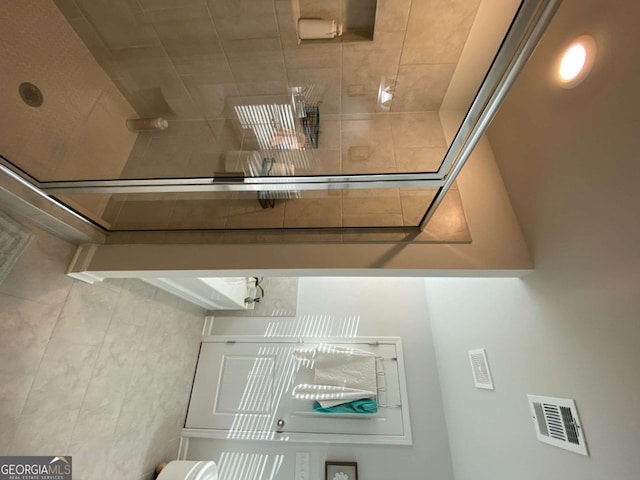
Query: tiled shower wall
point(184, 60)
point(101, 372)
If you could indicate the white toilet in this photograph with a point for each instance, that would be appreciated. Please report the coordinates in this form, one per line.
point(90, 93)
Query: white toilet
point(187, 470)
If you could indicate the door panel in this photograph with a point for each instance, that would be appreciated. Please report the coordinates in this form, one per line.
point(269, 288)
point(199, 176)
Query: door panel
point(246, 387)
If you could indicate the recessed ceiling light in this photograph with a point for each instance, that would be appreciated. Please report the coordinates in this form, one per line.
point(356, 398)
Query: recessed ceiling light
point(572, 62)
point(576, 61)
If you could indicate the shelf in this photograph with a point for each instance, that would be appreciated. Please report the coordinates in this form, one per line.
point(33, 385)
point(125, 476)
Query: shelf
point(357, 17)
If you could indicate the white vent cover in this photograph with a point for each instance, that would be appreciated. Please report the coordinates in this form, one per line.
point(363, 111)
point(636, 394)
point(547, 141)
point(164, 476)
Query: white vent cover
point(480, 369)
point(557, 423)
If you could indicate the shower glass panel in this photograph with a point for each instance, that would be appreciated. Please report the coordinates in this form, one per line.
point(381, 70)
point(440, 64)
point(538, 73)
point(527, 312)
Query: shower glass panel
point(365, 122)
point(335, 208)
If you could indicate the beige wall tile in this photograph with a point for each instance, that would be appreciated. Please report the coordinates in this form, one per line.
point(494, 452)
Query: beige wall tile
point(223, 9)
point(248, 25)
point(325, 81)
point(226, 134)
point(91, 39)
point(147, 102)
point(118, 23)
point(208, 95)
point(176, 13)
point(241, 46)
point(438, 30)
point(314, 212)
point(415, 130)
point(415, 204)
point(367, 146)
point(170, 4)
point(207, 163)
point(209, 66)
point(134, 62)
point(166, 156)
point(257, 68)
point(150, 82)
point(329, 162)
point(371, 202)
point(364, 65)
point(421, 87)
point(199, 214)
point(249, 214)
point(144, 215)
point(423, 159)
point(313, 56)
point(277, 86)
point(141, 144)
point(387, 44)
point(189, 38)
point(287, 23)
point(392, 15)
point(330, 135)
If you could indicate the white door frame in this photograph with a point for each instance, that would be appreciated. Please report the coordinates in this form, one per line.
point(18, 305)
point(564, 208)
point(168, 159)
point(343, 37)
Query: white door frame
point(404, 439)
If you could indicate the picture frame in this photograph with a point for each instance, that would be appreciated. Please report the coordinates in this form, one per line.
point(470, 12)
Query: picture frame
point(340, 470)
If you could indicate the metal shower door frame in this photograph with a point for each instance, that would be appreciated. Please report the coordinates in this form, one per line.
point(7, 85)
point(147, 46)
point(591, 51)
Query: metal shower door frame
point(527, 28)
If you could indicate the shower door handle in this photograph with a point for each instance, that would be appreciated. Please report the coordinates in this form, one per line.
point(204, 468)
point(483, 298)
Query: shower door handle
point(227, 177)
point(280, 426)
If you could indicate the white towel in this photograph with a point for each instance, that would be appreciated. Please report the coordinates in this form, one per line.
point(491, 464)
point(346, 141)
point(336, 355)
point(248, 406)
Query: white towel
point(329, 395)
point(343, 367)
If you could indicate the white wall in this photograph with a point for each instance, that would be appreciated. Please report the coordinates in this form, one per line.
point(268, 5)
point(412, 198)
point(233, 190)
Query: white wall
point(379, 307)
point(546, 335)
point(571, 328)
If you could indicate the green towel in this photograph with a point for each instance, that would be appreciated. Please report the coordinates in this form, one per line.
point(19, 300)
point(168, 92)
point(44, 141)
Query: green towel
point(365, 405)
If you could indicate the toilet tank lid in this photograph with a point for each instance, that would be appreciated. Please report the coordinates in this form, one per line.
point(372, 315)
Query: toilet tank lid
point(204, 471)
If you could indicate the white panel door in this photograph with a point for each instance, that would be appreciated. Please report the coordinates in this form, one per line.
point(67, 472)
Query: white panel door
point(245, 389)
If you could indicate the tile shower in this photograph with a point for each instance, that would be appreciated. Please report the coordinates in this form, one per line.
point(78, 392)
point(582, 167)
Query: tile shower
point(190, 61)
